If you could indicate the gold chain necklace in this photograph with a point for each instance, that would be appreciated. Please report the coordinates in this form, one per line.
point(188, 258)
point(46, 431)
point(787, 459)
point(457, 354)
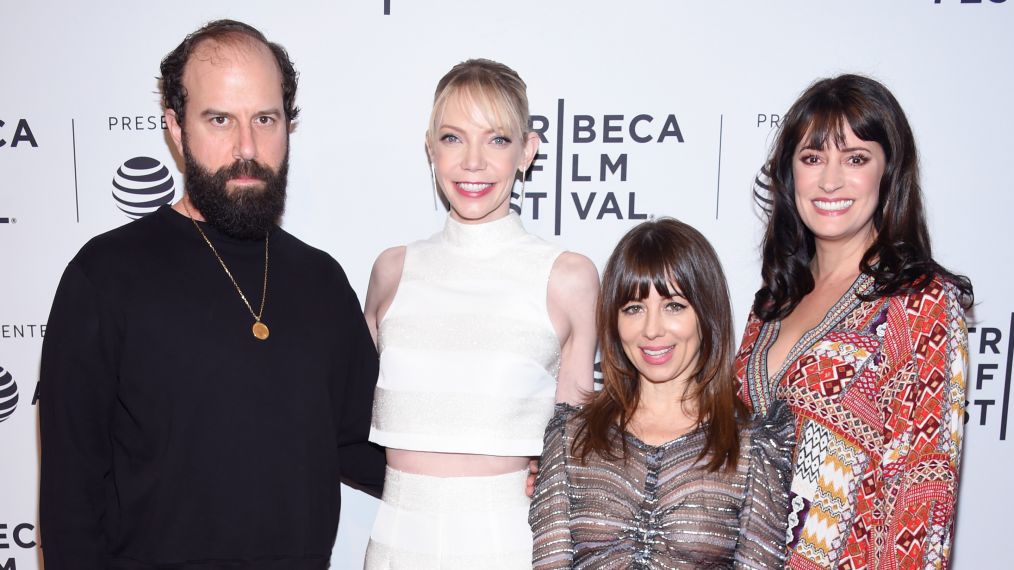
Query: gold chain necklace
point(260, 330)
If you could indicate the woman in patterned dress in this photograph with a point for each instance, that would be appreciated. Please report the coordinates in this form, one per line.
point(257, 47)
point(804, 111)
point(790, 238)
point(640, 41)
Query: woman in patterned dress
point(663, 468)
point(861, 332)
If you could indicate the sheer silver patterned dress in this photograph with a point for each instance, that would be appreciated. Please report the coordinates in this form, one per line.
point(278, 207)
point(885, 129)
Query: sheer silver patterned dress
point(660, 509)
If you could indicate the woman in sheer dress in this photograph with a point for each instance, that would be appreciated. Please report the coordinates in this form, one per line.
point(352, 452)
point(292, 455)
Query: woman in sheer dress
point(663, 468)
point(861, 333)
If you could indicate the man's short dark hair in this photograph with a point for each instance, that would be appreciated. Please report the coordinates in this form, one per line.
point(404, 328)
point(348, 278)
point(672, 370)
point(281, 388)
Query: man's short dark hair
point(174, 94)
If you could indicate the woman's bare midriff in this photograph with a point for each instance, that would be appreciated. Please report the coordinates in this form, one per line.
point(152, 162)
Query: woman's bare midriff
point(453, 464)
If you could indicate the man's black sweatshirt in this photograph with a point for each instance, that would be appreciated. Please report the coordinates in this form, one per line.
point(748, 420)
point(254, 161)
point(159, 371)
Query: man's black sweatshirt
point(171, 436)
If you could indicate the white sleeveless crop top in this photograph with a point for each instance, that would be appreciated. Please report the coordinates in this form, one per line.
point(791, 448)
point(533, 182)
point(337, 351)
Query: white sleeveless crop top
point(468, 354)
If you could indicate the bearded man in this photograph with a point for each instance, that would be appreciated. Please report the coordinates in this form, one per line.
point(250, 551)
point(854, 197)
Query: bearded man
point(207, 378)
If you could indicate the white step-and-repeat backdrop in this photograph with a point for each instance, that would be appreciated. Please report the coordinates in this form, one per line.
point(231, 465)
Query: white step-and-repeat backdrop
point(645, 109)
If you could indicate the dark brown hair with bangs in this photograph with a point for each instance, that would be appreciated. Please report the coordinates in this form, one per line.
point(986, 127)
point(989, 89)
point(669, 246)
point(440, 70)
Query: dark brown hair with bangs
point(900, 259)
point(662, 254)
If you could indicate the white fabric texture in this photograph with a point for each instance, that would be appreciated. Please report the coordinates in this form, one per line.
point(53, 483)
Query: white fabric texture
point(468, 355)
point(451, 523)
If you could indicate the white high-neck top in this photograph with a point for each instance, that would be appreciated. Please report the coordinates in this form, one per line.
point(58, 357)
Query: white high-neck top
point(468, 355)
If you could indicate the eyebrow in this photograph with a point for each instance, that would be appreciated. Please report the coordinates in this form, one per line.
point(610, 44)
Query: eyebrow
point(675, 293)
point(848, 149)
point(490, 131)
point(216, 112)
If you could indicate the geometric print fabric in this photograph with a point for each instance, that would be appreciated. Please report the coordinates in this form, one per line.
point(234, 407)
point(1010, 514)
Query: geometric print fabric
point(878, 391)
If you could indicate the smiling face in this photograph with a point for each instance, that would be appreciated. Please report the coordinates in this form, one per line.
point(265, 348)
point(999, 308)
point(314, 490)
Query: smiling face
point(475, 162)
point(661, 337)
point(837, 189)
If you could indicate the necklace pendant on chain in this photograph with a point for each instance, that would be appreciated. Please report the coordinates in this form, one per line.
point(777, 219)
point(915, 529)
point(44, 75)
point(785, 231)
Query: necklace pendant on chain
point(260, 330)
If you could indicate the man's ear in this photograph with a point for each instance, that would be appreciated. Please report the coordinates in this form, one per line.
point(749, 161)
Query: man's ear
point(175, 130)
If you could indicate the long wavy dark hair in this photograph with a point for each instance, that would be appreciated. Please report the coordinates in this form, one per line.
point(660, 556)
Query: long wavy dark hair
point(661, 254)
point(174, 94)
point(900, 259)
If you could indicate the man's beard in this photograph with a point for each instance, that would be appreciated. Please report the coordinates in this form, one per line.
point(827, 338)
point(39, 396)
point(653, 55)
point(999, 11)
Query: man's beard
point(247, 212)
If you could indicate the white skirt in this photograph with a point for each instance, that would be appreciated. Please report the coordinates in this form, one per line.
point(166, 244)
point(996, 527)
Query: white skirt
point(447, 523)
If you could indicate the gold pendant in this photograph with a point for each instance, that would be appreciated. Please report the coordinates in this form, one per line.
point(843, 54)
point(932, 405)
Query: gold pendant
point(260, 330)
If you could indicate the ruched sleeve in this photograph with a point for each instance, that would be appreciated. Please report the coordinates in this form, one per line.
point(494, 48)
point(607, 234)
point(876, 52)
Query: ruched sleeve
point(764, 517)
point(550, 511)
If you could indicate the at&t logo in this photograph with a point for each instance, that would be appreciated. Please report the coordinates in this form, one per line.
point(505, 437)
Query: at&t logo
point(141, 185)
point(8, 394)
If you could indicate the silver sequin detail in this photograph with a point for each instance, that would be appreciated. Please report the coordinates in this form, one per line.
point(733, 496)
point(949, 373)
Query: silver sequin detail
point(660, 509)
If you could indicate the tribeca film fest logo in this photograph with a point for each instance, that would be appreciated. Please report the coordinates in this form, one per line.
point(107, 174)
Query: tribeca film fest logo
point(991, 356)
point(8, 394)
point(141, 185)
point(14, 133)
point(596, 181)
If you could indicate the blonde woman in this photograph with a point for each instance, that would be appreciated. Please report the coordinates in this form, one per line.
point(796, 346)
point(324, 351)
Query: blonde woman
point(482, 328)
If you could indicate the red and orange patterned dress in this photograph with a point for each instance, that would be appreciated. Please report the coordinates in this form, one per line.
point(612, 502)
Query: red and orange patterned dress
point(878, 390)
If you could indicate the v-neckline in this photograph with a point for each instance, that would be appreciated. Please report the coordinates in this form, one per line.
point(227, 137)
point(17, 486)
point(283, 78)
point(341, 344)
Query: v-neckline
point(771, 329)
